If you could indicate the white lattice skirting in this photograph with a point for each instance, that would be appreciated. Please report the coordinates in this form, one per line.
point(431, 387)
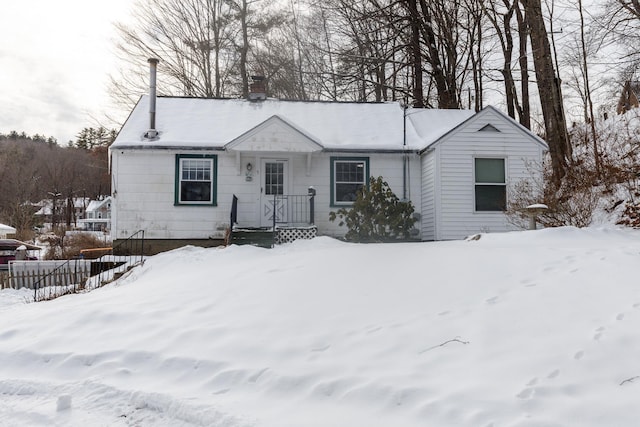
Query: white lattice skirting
point(287, 235)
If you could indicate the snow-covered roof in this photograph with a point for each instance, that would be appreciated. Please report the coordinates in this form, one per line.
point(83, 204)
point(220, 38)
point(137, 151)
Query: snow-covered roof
point(80, 202)
point(6, 229)
point(13, 244)
point(431, 124)
point(213, 123)
point(94, 205)
point(45, 210)
point(46, 204)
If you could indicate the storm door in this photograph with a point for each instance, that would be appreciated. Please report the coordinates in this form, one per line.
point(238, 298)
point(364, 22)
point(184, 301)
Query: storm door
point(274, 185)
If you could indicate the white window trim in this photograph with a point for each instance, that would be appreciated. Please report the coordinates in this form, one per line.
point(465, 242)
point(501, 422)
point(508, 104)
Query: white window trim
point(335, 182)
point(179, 180)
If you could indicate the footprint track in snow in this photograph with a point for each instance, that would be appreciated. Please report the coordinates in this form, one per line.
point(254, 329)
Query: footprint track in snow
point(529, 389)
point(598, 333)
point(492, 300)
point(526, 393)
point(528, 283)
point(553, 374)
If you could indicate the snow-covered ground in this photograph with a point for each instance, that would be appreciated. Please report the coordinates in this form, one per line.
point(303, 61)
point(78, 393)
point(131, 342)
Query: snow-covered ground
point(536, 328)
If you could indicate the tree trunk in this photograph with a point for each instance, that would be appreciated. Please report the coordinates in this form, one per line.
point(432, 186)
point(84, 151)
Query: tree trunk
point(418, 93)
point(525, 115)
point(447, 97)
point(587, 90)
point(549, 89)
point(475, 54)
point(244, 49)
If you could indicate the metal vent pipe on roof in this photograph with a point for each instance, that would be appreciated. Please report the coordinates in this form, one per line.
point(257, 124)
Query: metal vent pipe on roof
point(153, 64)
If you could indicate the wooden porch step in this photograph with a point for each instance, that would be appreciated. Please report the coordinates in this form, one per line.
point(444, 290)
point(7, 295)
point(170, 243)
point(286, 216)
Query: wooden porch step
point(262, 237)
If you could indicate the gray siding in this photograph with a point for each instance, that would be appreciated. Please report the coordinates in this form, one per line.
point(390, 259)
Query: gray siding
point(428, 208)
point(456, 210)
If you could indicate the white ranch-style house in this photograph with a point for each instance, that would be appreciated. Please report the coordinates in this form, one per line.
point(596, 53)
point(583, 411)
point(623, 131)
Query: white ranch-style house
point(183, 167)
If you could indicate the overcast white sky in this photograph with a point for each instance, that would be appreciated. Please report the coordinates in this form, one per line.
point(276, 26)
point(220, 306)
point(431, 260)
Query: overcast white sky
point(55, 57)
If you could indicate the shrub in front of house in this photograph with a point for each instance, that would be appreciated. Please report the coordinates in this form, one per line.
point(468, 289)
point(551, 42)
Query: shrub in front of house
point(377, 215)
point(69, 246)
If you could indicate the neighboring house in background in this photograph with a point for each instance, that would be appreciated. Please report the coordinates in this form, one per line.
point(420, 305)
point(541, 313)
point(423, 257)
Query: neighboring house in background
point(44, 212)
point(6, 230)
point(47, 215)
point(177, 180)
point(97, 216)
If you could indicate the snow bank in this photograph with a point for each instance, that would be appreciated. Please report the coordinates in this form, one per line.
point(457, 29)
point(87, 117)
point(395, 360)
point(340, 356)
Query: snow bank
point(535, 328)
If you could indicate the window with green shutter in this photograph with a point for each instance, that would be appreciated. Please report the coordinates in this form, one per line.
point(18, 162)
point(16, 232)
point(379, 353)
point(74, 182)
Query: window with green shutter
point(195, 180)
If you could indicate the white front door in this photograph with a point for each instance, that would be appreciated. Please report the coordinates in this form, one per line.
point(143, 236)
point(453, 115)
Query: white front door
point(274, 183)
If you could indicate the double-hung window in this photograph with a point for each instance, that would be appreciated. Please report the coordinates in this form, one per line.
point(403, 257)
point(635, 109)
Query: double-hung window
point(195, 180)
point(490, 185)
point(348, 176)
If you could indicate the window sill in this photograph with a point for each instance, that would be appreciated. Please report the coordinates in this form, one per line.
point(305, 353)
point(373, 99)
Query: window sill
point(199, 205)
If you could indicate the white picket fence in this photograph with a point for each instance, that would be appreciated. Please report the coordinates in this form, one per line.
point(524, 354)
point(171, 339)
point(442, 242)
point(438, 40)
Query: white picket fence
point(32, 274)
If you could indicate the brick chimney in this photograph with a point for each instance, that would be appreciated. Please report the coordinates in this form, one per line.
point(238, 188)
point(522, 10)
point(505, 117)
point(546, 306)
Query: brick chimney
point(258, 89)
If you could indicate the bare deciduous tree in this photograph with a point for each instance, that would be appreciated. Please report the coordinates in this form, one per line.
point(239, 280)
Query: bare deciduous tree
point(502, 14)
point(32, 170)
point(204, 45)
point(549, 88)
point(525, 118)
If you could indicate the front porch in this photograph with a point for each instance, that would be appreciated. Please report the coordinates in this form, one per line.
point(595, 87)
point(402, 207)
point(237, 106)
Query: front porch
point(292, 218)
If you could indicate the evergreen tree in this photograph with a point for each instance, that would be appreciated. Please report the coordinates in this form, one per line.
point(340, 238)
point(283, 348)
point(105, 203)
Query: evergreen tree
point(91, 138)
point(377, 215)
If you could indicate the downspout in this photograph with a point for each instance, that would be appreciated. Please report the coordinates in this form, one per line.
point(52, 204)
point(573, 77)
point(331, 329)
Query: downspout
point(404, 155)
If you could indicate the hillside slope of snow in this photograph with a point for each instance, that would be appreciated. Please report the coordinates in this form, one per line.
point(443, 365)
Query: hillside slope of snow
point(535, 328)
